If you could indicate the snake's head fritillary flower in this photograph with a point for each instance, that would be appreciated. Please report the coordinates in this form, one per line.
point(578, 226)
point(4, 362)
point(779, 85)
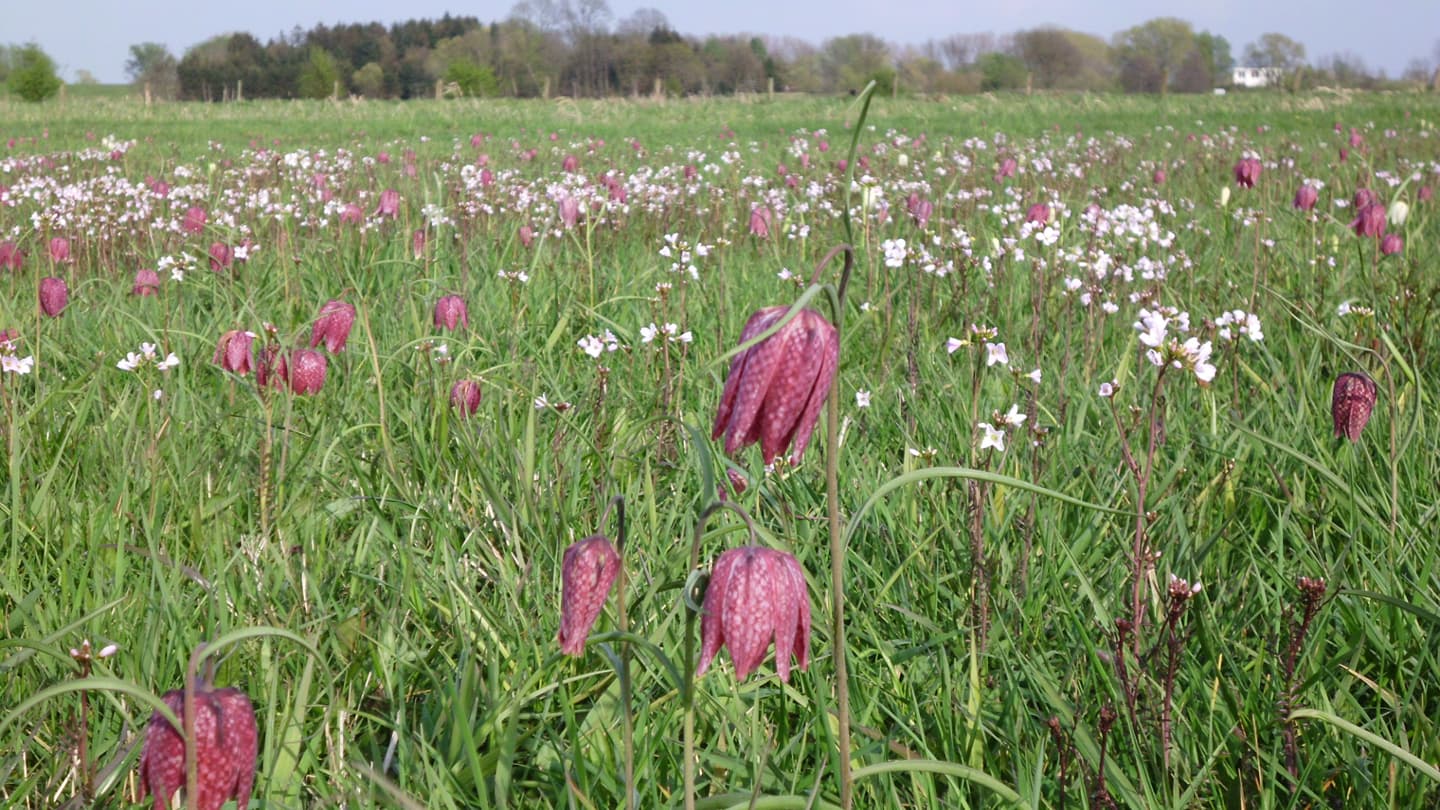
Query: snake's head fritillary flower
point(756, 594)
point(775, 389)
point(527, 235)
point(222, 256)
point(226, 743)
point(147, 282)
point(1008, 167)
point(54, 295)
point(919, 209)
point(12, 258)
point(1390, 244)
point(465, 397)
point(570, 163)
point(235, 352)
point(307, 371)
point(1351, 402)
point(333, 325)
point(1426, 194)
point(271, 368)
point(389, 203)
point(194, 221)
point(1306, 197)
point(417, 243)
point(1039, 212)
point(59, 250)
point(569, 208)
point(1370, 221)
point(760, 218)
point(587, 573)
point(1159, 177)
point(352, 214)
point(1364, 197)
point(1247, 172)
point(450, 313)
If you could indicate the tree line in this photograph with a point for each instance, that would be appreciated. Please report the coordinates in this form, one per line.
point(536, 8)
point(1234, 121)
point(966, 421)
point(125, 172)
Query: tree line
point(576, 48)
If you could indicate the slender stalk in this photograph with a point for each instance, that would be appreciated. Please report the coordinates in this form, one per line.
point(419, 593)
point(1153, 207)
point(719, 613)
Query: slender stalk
point(628, 728)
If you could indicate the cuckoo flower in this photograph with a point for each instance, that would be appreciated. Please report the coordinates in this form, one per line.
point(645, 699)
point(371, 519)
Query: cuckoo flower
point(226, 742)
point(147, 282)
point(587, 573)
point(1350, 404)
point(307, 371)
point(465, 397)
point(450, 312)
point(234, 351)
point(756, 594)
point(775, 389)
point(54, 295)
point(333, 326)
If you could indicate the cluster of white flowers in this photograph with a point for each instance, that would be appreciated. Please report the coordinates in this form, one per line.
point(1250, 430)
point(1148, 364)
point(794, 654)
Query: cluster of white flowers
point(992, 433)
point(11, 362)
point(896, 252)
point(683, 255)
point(1190, 354)
point(176, 266)
point(1352, 308)
point(148, 354)
point(1238, 322)
point(517, 276)
point(669, 333)
point(596, 345)
point(979, 334)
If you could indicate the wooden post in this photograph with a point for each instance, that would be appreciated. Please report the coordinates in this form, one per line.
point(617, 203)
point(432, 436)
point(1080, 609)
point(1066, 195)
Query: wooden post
point(1029, 83)
point(147, 94)
point(545, 92)
point(335, 92)
point(239, 89)
point(659, 94)
point(770, 86)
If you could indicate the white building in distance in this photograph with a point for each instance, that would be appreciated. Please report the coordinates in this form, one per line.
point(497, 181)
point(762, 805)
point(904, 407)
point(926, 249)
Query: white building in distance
point(1256, 76)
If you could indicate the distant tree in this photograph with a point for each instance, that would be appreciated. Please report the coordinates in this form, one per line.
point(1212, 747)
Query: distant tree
point(318, 77)
point(32, 74)
point(850, 62)
point(1149, 55)
point(1001, 71)
point(83, 76)
point(151, 63)
point(6, 54)
point(1061, 59)
point(1215, 51)
point(473, 80)
point(1274, 50)
point(369, 80)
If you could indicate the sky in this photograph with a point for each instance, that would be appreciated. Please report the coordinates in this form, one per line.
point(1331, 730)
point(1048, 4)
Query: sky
point(96, 35)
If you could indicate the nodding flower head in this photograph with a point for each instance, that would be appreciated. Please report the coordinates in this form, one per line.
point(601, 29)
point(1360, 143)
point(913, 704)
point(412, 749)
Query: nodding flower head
point(12, 258)
point(147, 282)
point(919, 209)
point(756, 594)
point(307, 371)
point(450, 313)
point(389, 203)
point(1247, 172)
point(54, 295)
point(775, 389)
point(226, 742)
point(1306, 197)
point(465, 397)
point(1351, 401)
point(235, 351)
point(760, 218)
point(332, 326)
point(1370, 221)
point(587, 573)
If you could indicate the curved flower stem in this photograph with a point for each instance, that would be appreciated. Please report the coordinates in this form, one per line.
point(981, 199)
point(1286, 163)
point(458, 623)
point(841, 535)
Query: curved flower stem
point(627, 730)
point(187, 719)
point(692, 603)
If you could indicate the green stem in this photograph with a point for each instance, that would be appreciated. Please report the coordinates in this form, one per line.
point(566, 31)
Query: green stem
point(628, 728)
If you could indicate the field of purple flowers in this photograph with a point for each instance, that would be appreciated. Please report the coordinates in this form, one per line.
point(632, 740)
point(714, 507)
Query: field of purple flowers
point(550, 454)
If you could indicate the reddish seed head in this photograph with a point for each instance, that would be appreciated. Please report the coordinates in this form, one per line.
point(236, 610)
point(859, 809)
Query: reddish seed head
point(234, 351)
point(307, 371)
point(760, 217)
point(587, 573)
point(1390, 244)
point(54, 295)
point(11, 257)
point(1370, 221)
point(1039, 212)
point(1306, 197)
point(1350, 404)
point(194, 221)
point(146, 282)
point(333, 326)
point(59, 249)
point(775, 389)
point(465, 397)
point(756, 594)
point(226, 742)
point(450, 312)
point(1247, 172)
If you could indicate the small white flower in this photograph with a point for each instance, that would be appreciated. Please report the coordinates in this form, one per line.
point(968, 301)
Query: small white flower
point(649, 333)
point(109, 650)
point(1107, 390)
point(157, 394)
point(541, 403)
point(1034, 376)
point(995, 353)
point(131, 362)
point(862, 399)
point(993, 437)
point(170, 361)
point(1013, 417)
point(591, 345)
point(17, 365)
point(953, 344)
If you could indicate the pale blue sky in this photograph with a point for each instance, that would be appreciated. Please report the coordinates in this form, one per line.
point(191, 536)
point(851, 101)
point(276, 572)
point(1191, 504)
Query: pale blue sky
point(95, 35)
